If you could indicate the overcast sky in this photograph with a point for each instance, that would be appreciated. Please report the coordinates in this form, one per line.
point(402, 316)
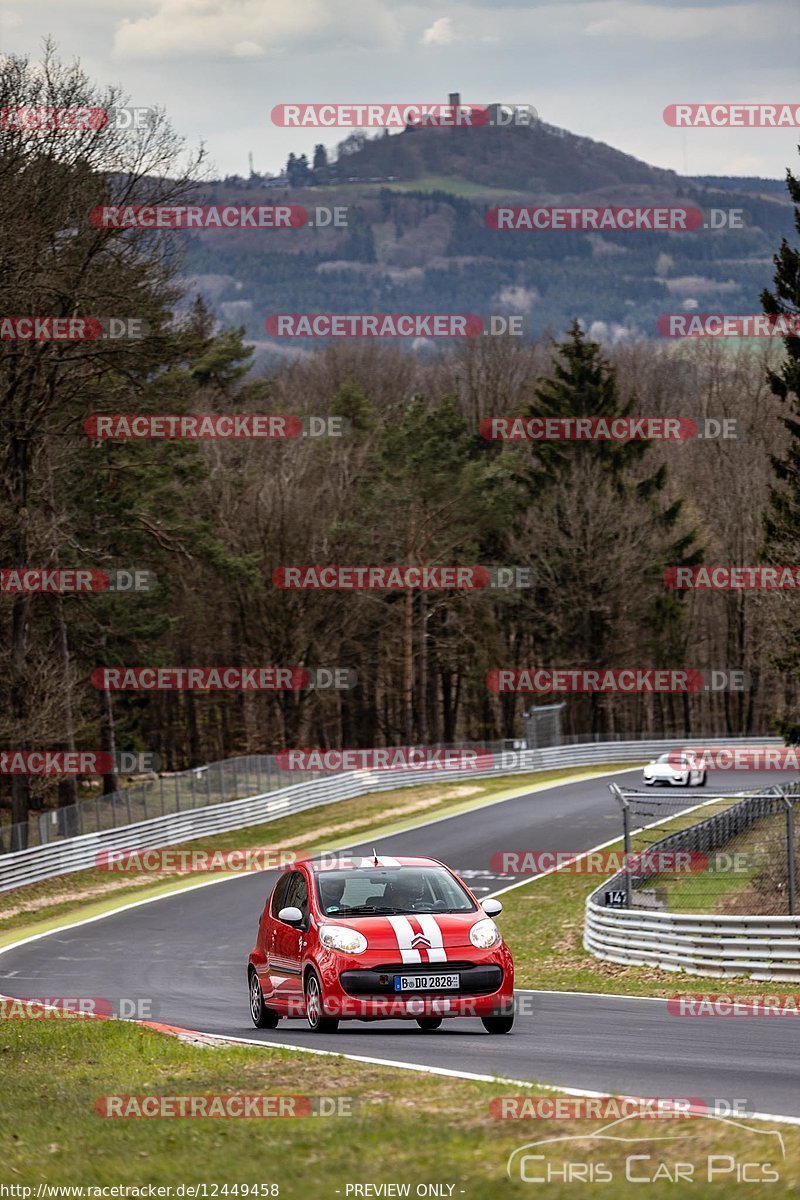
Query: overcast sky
point(602, 68)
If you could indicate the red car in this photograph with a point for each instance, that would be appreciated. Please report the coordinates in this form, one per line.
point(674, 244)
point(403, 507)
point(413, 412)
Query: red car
point(379, 938)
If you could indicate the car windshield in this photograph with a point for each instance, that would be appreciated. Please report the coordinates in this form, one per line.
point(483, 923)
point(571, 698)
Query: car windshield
point(389, 891)
point(677, 760)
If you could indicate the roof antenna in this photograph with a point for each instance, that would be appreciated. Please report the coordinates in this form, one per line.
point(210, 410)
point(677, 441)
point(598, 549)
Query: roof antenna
point(375, 857)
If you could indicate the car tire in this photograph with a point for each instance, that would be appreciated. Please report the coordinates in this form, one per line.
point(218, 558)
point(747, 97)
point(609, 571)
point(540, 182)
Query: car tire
point(261, 1016)
point(428, 1024)
point(703, 779)
point(498, 1023)
point(317, 1021)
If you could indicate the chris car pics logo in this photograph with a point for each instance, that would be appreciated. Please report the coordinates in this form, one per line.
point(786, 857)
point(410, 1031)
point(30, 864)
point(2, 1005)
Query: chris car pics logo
point(712, 1150)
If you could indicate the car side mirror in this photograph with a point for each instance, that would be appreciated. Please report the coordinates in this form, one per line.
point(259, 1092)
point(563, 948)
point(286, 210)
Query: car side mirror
point(291, 915)
point(491, 907)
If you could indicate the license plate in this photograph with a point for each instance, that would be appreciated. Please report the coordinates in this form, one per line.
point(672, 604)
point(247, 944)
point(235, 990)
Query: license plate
point(425, 983)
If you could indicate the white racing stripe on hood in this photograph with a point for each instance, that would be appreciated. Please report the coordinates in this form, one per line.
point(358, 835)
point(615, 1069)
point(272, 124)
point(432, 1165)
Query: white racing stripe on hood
point(404, 933)
point(432, 931)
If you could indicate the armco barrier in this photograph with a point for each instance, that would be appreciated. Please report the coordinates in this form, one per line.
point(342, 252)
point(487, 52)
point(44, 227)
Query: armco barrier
point(20, 867)
point(765, 948)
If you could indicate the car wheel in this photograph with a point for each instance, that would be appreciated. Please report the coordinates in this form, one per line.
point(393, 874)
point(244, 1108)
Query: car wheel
point(702, 780)
point(315, 1013)
point(428, 1024)
point(498, 1024)
point(261, 1016)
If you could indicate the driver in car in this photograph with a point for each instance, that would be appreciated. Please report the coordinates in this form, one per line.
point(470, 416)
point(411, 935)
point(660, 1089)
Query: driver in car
point(405, 892)
point(331, 894)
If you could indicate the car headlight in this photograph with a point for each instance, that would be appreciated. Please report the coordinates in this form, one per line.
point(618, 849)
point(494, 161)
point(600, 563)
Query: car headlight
point(336, 937)
point(484, 934)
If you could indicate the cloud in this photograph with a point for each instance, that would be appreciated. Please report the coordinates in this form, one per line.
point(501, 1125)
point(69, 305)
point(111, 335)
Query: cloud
point(247, 50)
point(666, 23)
point(440, 33)
point(520, 298)
point(184, 28)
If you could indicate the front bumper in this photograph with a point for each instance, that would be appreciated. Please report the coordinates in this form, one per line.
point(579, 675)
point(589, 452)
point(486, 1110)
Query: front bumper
point(362, 988)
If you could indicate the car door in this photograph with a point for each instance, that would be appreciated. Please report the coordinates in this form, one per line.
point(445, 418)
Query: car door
point(287, 941)
point(266, 935)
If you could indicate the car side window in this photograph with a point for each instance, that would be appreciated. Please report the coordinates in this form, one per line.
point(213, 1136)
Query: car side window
point(297, 894)
point(302, 899)
point(278, 901)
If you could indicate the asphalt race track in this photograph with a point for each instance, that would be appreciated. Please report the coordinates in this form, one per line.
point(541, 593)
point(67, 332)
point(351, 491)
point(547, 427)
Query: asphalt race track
point(188, 953)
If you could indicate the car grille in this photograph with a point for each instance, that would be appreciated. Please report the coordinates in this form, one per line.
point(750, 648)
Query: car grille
point(476, 980)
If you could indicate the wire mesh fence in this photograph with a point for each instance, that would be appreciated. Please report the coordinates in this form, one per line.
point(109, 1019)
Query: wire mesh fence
point(162, 795)
point(157, 796)
point(729, 854)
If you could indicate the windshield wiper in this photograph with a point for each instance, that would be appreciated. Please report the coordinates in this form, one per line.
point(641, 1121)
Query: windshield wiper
point(358, 910)
point(440, 912)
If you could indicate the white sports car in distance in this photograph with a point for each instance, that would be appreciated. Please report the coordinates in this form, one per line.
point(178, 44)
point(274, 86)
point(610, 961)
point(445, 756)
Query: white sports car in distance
point(677, 768)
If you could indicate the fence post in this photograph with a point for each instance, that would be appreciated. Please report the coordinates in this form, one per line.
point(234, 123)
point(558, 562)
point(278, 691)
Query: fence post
point(626, 836)
point(787, 800)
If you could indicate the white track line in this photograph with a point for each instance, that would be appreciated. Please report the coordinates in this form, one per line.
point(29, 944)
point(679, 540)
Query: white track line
point(603, 845)
point(470, 1075)
point(422, 1068)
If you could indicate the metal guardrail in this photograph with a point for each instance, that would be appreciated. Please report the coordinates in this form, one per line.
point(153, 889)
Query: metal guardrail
point(765, 948)
point(21, 867)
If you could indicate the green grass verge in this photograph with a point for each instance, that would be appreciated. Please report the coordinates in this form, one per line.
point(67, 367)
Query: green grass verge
point(453, 186)
point(407, 1128)
point(42, 906)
